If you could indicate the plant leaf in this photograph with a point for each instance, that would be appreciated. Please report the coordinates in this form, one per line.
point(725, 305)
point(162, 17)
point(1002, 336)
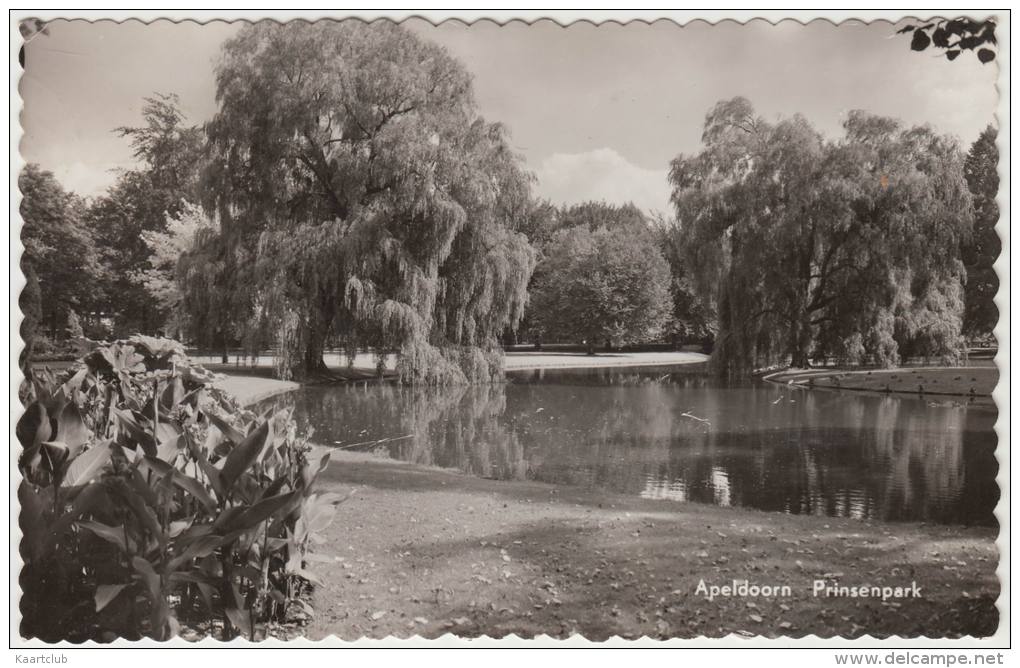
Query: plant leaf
point(193, 487)
point(71, 429)
point(87, 465)
point(54, 454)
point(86, 499)
point(245, 454)
point(920, 40)
point(33, 427)
point(203, 463)
point(166, 431)
point(110, 534)
point(253, 516)
point(149, 576)
point(228, 430)
point(240, 619)
point(204, 584)
point(172, 393)
point(31, 520)
point(139, 435)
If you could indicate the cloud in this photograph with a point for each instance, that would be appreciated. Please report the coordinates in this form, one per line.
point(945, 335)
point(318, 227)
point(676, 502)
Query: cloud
point(601, 174)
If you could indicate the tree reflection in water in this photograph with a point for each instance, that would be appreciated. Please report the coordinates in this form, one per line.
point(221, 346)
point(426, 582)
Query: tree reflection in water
point(645, 433)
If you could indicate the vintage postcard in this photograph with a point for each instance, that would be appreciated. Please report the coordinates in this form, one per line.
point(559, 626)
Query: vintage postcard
point(564, 331)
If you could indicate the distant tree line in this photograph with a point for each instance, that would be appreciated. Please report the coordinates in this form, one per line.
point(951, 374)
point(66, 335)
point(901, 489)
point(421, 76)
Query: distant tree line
point(605, 279)
point(84, 258)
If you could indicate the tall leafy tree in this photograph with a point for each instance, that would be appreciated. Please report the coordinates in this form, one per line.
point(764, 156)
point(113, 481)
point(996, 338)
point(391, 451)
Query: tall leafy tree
point(360, 197)
point(845, 248)
point(602, 284)
point(59, 262)
point(984, 246)
point(693, 317)
point(165, 250)
point(170, 155)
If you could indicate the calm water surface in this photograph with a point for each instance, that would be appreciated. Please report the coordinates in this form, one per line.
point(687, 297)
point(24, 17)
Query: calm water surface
point(687, 438)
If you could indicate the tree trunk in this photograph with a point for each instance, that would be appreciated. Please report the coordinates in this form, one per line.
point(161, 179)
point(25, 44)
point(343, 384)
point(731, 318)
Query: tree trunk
point(313, 361)
point(318, 323)
point(799, 343)
point(591, 346)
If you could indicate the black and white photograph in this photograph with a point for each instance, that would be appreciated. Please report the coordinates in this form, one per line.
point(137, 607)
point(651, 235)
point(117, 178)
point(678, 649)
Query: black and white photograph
point(651, 331)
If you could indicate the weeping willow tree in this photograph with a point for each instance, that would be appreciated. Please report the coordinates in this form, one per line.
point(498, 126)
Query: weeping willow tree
point(360, 198)
point(815, 248)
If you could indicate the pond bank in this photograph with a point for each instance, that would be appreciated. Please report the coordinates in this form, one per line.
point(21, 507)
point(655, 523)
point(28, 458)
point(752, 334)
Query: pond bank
point(251, 384)
point(426, 551)
point(253, 389)
point(962, 381)
point(519, 361)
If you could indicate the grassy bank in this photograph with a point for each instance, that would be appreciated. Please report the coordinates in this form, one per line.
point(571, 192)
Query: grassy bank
point(252, 380)
point(252, 389)
point(963, 381)
point(519, 361)
point(364, 365)
point(421, 551)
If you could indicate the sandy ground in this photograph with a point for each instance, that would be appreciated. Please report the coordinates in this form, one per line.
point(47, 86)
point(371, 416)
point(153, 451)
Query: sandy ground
point(969, 380)
point(422, 551)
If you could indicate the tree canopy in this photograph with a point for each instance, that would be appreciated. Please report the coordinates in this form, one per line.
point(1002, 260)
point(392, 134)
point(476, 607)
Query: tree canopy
point(359, 196)
point(165, 250)
point(170, 154)
point(60, 260)
point(693, 317)
point(845, 248)
point(602, 279)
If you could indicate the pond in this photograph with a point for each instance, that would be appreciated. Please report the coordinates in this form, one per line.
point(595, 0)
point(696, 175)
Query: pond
point(673, 434)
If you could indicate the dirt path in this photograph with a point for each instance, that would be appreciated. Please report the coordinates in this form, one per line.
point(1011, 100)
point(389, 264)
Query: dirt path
point(420, 551)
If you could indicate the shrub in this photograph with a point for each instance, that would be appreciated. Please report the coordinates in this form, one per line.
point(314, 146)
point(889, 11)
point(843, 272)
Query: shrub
point(149, 496)
point(74, 329)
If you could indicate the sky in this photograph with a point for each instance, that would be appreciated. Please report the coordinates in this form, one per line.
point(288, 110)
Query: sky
point(597, 112)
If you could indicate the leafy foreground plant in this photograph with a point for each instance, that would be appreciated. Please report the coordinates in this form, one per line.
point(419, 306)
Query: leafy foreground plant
point(150, 498)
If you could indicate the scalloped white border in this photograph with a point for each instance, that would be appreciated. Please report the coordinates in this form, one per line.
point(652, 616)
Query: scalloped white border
point(564, 17)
